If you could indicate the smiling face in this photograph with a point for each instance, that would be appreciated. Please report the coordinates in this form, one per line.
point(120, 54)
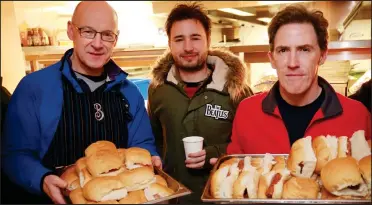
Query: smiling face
point(189, 44)
point(296, 57)
point(92, 54)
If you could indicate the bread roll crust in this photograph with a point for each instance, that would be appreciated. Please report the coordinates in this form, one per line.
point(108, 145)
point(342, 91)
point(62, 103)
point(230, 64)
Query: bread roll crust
point(138, 178)
point(365, 168)
point(340, 173)
point(103, 161)
point(302, 153)
point(97, 188)
point(76, 196)
point(134, 197)
point(300, 188)
point(99, 145)
point(137, 155)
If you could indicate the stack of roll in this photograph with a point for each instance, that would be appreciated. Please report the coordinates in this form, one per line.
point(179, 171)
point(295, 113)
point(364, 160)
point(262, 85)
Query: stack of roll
point(326, 167)
point(107, 175)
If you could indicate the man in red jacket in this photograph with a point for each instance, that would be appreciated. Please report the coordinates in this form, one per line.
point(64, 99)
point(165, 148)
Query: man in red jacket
point(301, 103)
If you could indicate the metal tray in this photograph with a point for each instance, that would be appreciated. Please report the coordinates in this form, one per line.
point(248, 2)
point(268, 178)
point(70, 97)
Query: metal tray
point(178, 188)
point(207, 197)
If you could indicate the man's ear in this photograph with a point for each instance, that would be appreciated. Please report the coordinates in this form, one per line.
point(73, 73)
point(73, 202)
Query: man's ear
point(117, 38)
point(271, 58)
point(323, 57)
point(70, 30)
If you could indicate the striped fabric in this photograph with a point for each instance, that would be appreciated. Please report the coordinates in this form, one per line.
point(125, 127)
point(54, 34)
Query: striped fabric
point(78, 126)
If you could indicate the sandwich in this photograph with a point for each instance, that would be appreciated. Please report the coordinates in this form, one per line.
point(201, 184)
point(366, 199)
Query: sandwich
point(246, 185)
point(72, 179)
point(157, 191)
point(265, 164)
point(76, 196)
point(341, 177)
point(137, 157)
point(229, 162)
point(82, 171)
point(300, 188)
point(222, 181)
point(80, 164)
point(160, 180)
point(344, 147)
point(324, 194)
point(136, 179)
point(84, 177)
point(134, 197)
point(270, 185)
point(280, 163)
point(359, 145)
point(105, 163)
point(302, 160)
point(104, 189)
point(365, 170)
point(99, 145)
point(122, 154)
point(325, 149)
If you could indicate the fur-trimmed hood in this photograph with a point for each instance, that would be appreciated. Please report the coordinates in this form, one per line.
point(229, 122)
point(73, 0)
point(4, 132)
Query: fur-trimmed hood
point(229, 72)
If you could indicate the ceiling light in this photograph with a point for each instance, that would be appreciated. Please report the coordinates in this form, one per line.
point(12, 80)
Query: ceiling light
point(264, 19)
point(236, 12)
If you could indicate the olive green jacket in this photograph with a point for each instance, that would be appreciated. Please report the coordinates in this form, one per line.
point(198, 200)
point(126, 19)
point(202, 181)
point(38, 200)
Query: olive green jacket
point(209, 114)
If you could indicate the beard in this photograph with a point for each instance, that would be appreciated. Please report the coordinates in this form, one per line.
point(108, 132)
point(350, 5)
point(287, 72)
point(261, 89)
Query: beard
point(191, 67)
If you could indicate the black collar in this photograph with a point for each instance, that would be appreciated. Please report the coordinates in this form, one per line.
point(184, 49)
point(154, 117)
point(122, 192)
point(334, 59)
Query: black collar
point(331, 105)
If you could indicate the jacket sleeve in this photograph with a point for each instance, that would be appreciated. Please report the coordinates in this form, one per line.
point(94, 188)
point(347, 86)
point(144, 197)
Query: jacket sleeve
point(21, 141)
point(214, 151)
point(234, 146)
point(156, 125)
point(139, 129)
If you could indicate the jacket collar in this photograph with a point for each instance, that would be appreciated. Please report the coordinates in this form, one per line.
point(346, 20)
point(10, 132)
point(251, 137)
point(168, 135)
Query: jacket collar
point(229, 73)
point(330, 107)
point(115, 74)
point(218, 76)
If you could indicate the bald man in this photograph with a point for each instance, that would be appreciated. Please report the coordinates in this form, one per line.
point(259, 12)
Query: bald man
point(55, 113)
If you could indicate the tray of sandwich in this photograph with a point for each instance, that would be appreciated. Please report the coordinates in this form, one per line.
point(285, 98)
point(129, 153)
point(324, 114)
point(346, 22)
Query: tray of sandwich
point(107, 175)
point(323, 170)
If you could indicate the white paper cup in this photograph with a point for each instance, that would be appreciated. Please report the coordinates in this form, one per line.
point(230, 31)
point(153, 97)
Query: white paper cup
point(192, 144)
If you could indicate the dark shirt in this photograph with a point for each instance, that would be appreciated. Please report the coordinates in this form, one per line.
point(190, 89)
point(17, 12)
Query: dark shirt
point(297, 118)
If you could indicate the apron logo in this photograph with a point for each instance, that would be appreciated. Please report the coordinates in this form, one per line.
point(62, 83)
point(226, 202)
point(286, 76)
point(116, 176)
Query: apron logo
point(216, 112)
point(99, 114)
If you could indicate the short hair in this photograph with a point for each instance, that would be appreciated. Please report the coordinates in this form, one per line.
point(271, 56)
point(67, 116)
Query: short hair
point(300, 14)
point(188, 11)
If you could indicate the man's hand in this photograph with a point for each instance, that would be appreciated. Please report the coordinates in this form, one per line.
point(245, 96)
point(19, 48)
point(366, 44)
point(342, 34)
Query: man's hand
point(52, 186)
point(156, 161)
point(196, 160)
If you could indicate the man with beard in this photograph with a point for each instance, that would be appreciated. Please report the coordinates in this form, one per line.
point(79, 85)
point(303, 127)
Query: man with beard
point(56, 113)
point(194, 92)
point(301, 103)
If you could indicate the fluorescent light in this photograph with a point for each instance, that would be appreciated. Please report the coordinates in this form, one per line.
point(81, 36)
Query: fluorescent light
point(264, 19)
point(236, 12)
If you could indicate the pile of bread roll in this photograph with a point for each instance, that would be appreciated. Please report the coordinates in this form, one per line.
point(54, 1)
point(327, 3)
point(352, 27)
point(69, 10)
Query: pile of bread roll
point(107, 175)
point(326, 167)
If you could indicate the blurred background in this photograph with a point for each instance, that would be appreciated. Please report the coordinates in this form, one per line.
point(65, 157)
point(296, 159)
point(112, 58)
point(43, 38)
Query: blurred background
point(34, 36)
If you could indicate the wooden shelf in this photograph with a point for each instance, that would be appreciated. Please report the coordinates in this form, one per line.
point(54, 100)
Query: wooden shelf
point(337, 50)
point(345, 50)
